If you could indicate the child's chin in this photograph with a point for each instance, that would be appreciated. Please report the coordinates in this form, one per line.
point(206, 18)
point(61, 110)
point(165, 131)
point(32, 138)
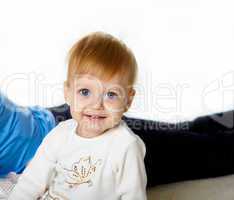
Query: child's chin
point(95, 127)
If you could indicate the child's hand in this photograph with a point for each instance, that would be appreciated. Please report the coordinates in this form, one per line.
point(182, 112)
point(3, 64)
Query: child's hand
point(7, 184)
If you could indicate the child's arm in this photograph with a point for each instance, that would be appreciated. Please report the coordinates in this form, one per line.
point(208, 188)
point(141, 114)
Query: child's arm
point(34, 180)
point(131, 176)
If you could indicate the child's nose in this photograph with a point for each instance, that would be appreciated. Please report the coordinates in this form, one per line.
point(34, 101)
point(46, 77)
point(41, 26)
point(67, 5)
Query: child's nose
point(98, 102)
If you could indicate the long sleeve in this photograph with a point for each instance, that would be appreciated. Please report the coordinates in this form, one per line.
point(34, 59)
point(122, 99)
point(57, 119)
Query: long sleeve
point(22, 130)
point(131, 174)
point(34, 180)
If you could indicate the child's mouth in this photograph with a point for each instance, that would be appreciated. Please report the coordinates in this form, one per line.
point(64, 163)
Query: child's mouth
point(95, 117)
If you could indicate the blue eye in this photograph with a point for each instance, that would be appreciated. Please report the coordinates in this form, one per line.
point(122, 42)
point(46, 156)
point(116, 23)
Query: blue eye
point(84, 92)
point(112, 95)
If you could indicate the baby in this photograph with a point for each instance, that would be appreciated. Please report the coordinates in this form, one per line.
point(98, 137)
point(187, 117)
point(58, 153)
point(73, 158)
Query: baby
point(94, 155)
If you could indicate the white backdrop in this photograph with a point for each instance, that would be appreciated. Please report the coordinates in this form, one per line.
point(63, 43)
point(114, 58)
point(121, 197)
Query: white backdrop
point(184, 48)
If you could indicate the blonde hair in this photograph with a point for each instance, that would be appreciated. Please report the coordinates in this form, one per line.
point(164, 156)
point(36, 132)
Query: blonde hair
point(102, 55)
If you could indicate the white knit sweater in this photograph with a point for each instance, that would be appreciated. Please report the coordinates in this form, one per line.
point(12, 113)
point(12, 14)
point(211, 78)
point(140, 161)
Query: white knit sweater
point(67, 166)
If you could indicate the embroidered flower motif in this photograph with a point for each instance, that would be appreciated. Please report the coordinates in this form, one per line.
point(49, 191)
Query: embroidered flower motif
point(82, 171)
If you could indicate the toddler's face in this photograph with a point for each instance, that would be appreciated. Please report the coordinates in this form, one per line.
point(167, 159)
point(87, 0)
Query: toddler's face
point(97, 105)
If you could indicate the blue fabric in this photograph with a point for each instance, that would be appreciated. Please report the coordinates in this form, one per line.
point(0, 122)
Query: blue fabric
point(22, 130)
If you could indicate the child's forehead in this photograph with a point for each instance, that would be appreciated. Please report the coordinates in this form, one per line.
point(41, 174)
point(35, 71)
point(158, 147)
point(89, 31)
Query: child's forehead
point(116, 80)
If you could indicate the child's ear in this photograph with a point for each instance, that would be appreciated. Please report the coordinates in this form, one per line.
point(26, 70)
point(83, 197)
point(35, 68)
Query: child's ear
point(66, 92)
point(131, 94)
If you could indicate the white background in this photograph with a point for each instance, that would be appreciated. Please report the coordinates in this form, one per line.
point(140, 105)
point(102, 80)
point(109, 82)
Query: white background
point(184, 48)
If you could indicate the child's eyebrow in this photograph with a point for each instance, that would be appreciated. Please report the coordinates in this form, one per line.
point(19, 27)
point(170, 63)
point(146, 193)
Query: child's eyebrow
point(82, 82)
point(116, 89)
point(79, 85)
